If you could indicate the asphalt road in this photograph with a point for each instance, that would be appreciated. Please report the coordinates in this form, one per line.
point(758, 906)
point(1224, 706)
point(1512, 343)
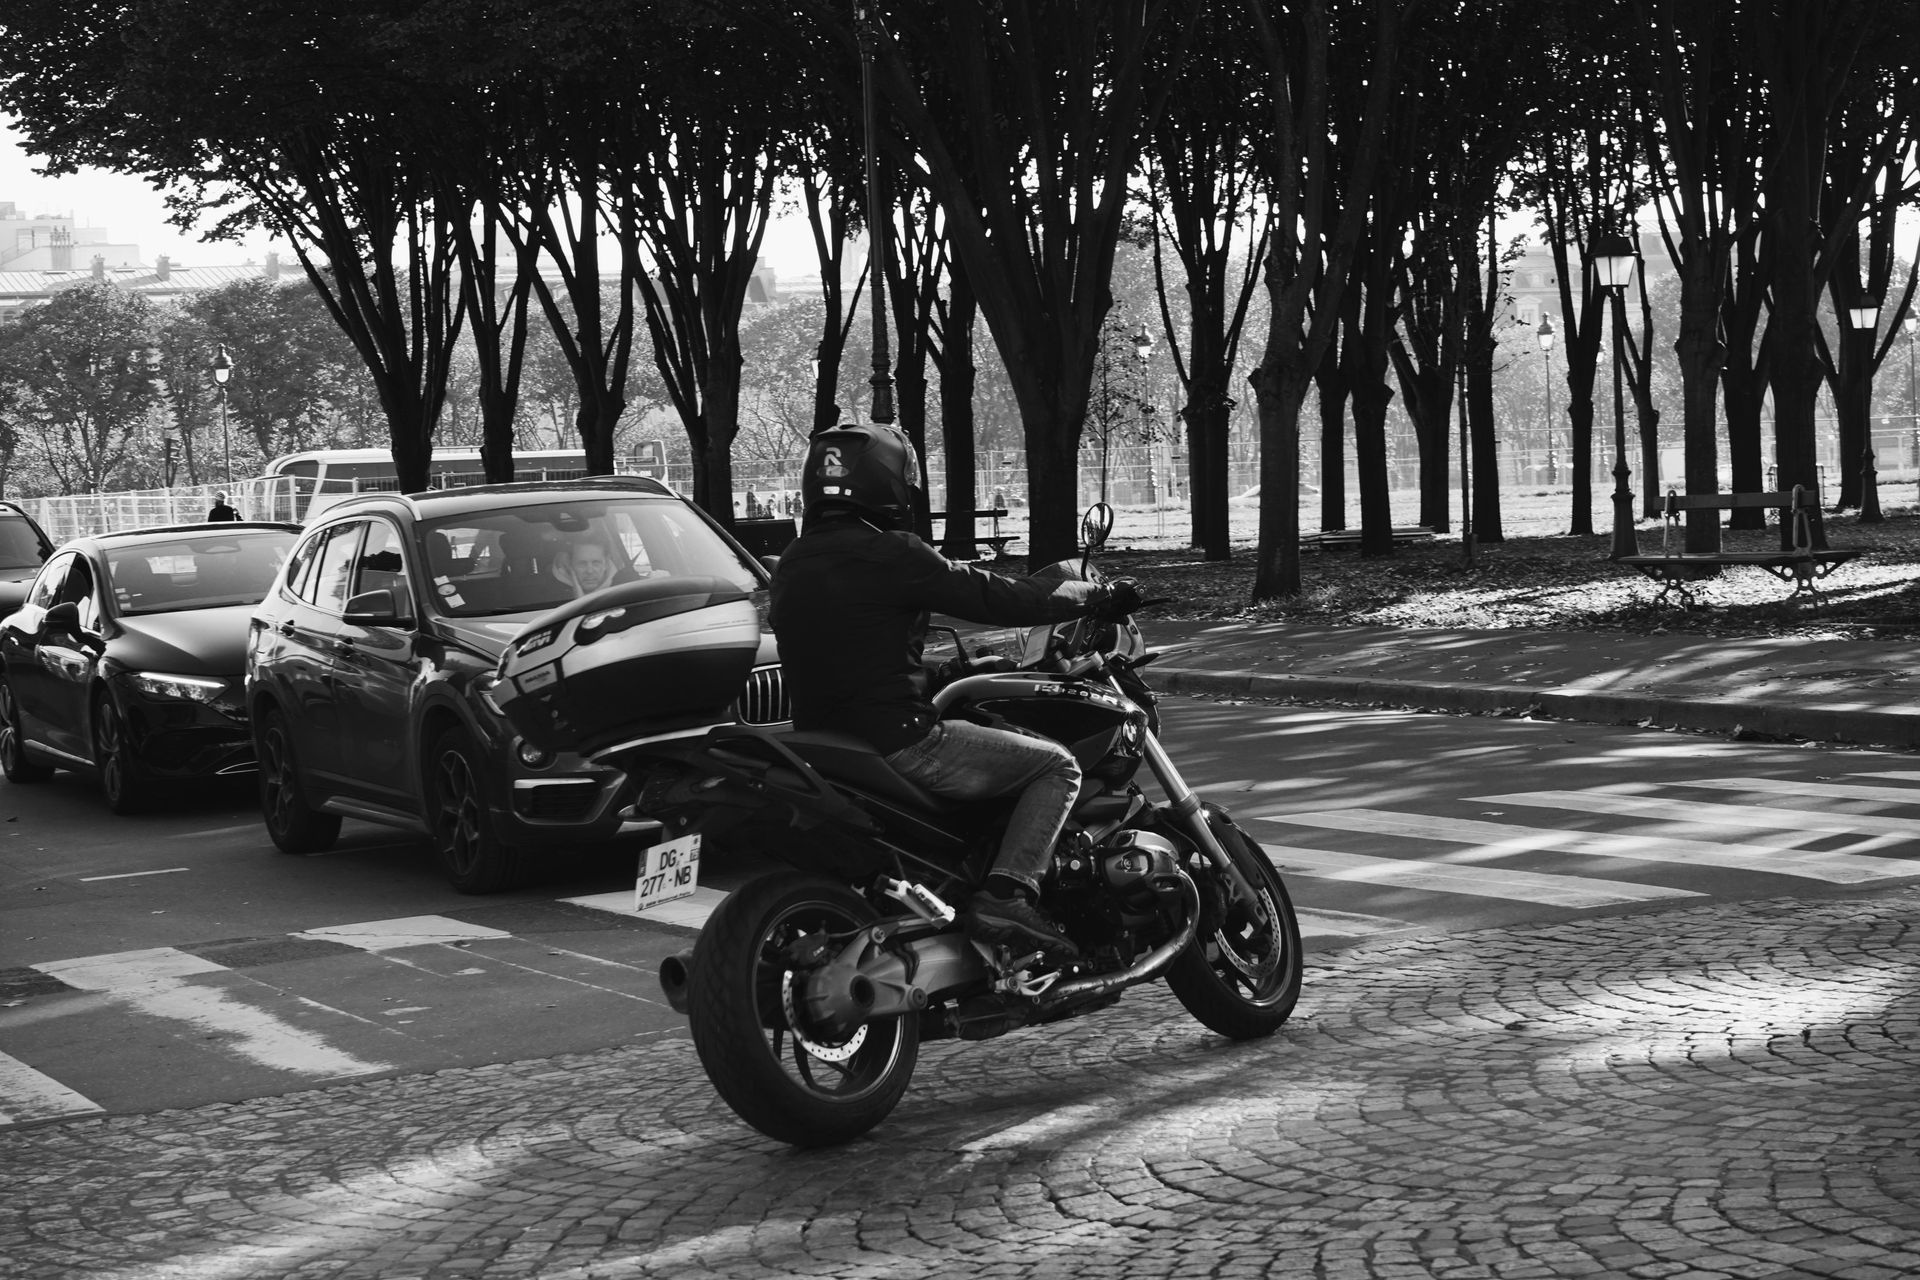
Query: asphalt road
point(175, 959)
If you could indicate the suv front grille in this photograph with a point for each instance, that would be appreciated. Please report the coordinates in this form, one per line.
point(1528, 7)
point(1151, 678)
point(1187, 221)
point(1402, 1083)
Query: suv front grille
point(764, 701)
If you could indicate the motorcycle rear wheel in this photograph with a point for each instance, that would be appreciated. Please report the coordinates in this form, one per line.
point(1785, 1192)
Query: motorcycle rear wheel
point(793, 1083)
point(1239, 979)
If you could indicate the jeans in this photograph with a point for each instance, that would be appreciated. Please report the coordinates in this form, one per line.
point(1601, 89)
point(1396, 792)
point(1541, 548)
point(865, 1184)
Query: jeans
point(959, 760)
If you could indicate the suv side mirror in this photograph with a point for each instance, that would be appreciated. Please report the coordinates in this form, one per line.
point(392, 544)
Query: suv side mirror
point(64, 616)
point(376, 609)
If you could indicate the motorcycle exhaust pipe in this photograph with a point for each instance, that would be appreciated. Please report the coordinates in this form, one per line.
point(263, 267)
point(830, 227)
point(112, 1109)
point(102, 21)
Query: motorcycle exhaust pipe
point(675, 972)
point(1149, 966)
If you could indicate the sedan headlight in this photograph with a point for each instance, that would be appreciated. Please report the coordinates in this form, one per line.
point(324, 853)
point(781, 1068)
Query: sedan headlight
point(160, 684)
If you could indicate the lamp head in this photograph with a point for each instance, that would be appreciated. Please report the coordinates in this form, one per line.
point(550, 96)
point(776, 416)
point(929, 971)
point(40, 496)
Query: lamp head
point(1613, 260)
point(222, 366)
point(1545, 333)
point(1143, 342)
point(1864, 316)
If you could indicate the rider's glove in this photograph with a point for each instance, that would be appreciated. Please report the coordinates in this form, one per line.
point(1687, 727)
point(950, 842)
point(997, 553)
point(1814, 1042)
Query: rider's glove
point(1122, 598)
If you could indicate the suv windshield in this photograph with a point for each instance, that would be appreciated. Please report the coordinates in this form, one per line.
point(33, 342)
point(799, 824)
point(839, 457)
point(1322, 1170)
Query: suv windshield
point(534, 558)
point(199, 573)
point(20, 546)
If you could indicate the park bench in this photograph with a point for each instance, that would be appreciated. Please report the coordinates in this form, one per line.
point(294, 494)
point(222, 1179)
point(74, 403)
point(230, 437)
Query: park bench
point(997, 540)
point(1344, 539)
point(1676, 569)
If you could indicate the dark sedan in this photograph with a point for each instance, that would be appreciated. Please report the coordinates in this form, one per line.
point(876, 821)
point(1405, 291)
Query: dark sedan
point(372, 669)
point(128, 658)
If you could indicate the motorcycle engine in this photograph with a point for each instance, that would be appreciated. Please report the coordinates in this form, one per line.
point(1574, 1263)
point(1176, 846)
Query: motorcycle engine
point(1137, 865)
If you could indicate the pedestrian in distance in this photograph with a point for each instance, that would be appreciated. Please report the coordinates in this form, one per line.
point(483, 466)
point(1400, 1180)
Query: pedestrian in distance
point(220, 510)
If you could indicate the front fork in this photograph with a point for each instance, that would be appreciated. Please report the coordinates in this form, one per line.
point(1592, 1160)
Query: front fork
point(1187, 811)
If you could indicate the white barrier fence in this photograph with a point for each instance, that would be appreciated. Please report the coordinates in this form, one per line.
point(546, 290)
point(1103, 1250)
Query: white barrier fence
point(83, 514)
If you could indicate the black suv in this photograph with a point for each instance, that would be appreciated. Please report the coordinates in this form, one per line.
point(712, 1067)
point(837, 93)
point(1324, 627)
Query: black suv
point(371, 665)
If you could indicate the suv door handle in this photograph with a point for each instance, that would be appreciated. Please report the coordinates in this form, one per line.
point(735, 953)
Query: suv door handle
point(286, 629)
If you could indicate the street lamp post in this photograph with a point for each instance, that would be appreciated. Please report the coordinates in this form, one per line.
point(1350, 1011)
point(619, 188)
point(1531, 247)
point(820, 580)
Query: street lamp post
point(222, 370)
point(1143, 349)
point(1864, 318)
point(1544, 334)
point(1613, 262)
point(1912, 327)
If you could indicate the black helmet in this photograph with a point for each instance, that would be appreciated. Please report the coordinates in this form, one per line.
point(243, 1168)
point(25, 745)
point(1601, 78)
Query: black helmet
point(864, 467)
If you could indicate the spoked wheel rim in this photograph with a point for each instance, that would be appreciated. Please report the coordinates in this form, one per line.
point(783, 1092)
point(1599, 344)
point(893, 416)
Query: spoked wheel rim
point(111, 739)
point(838, 1068)
point(1251, 954)
point(10, 753)
point(460, 821)
point(276, 777)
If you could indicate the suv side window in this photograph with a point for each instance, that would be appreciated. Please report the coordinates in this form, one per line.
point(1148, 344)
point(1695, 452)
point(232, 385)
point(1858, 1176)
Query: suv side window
point(300, 566)
point(334, 575)
point(77, 586)
point(382, 568)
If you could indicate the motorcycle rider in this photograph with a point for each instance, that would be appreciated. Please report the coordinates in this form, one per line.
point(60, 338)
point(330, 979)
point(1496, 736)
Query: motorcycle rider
point(851, 598)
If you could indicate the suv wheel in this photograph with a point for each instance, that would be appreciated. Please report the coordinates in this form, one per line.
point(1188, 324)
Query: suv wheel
point(13, 751)
point(293, 825)
point(472, 852)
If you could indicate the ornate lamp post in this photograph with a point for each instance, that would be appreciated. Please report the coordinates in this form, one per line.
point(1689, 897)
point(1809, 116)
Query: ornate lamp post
point(1912, 326)
point(222, 370)
point(1864, 318)
point(1613, 262)
point(1544, 335)
point(1143, 349)
point(867, 29)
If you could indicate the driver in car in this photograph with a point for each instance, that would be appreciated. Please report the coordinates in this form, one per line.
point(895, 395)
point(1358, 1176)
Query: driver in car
point(587, 566)
point(851, 599)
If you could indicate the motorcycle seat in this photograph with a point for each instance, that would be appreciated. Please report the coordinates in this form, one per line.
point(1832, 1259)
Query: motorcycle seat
point(845, 758)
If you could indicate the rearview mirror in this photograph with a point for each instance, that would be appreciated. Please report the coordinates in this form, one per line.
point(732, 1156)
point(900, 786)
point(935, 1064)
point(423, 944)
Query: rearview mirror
point(375, 609)
point(1096, 525)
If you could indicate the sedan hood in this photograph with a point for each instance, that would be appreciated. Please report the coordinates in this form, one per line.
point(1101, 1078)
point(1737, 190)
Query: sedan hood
point(192, 642)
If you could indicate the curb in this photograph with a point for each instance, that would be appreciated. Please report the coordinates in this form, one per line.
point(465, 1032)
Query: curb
point(1741, 717)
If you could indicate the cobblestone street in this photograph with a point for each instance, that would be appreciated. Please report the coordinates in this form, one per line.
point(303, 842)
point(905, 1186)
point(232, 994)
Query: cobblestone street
point(1726, 1090)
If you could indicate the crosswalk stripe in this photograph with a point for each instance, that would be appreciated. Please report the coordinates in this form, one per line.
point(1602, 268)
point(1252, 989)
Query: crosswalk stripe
point(1749, 817)
point(1500, 840)
point(1896, 775)
point(690, 912)
point(1483, 882)
point(404, 931)
point(157, 982)
point(1346, 924)
point(1819, 790)
point(26, 1095)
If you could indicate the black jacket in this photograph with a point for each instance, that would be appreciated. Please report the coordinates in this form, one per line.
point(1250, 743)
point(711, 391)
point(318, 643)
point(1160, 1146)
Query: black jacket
point(850, 606)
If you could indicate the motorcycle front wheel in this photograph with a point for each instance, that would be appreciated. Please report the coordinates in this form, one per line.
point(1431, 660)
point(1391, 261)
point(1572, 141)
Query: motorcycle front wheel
point(1241, 976)
point(792, 1082)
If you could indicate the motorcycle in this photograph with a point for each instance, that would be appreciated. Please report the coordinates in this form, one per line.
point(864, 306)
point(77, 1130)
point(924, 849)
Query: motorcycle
point(811, 989)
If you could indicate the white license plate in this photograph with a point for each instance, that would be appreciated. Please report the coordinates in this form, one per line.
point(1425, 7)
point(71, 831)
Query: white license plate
point(669, 871)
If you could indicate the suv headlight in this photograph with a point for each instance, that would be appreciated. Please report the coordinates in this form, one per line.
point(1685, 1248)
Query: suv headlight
point(483, 686)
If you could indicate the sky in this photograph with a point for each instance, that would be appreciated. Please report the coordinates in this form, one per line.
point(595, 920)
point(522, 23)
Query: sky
point(133, 213)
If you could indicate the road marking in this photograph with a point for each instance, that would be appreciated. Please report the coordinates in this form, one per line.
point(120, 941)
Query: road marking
point(128, 875)
point(1577, 892)
point(1346, 924)
point(1736, 816)
point(26, 1095)
point(689, 913)
point(404, 931)
point(156, 982)
point(1500, 840)
point(1822, 790)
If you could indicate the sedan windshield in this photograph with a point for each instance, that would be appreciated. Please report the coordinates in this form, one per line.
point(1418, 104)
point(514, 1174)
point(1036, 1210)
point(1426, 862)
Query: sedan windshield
point(198, 573)
point(534, 558)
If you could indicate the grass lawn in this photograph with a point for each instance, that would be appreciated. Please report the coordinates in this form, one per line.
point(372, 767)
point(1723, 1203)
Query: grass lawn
point(1537, 577)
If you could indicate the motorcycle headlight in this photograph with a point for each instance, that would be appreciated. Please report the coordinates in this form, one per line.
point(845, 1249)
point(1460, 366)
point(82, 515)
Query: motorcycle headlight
point(163, 685)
